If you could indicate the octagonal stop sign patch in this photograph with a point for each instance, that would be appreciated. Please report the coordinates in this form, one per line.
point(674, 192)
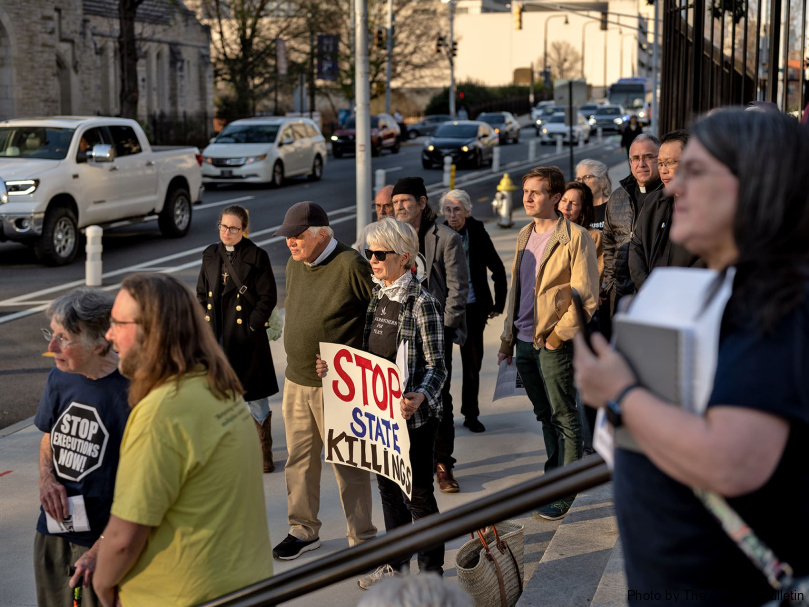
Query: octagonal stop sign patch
point(78, 440)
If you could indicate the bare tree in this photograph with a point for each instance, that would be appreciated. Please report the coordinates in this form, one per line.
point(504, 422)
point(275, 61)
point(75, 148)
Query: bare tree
point(564, 59)
point(128, 51)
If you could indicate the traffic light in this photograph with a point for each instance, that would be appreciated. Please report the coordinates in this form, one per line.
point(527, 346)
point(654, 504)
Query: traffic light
point(439, 44)
point(517, 12)
point(454, 48)
point(603, 22)
point(380, 38)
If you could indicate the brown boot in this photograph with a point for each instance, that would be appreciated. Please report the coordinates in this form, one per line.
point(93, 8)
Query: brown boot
point(265, 436)
point(446, 480)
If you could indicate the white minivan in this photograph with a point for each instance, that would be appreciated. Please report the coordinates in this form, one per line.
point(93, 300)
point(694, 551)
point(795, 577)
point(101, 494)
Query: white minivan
point(264, 150)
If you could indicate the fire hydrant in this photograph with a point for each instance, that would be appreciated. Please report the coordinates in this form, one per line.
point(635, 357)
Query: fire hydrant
point(502, 204)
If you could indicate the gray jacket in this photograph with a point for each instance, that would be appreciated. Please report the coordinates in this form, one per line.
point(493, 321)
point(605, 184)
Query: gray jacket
point(446, 273)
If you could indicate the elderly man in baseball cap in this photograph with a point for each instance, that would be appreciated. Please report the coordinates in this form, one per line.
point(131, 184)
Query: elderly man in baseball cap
point(328, 288)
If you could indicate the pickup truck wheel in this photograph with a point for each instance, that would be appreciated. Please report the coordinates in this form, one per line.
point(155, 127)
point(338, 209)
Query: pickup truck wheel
point(317, 169)
point(60, 238)
point(174, 220)
point(396, 146)
point(277, 174)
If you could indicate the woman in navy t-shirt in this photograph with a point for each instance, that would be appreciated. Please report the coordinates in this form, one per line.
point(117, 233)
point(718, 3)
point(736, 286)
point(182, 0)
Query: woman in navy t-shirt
point(741, 201)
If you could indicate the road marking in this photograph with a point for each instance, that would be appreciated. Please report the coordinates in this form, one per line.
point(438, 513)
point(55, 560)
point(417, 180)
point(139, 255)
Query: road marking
point(147, 265)
point(393, 169)
point(6, 472)
point(210, 205)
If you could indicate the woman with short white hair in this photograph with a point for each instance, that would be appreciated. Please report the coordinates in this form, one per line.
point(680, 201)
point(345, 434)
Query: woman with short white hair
point(596, 176)
point(401, 309)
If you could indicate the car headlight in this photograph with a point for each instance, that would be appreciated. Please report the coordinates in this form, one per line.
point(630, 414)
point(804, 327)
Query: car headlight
point(592, 120)
point(253, 159)
point(641, 114)
point(335, 138)
point(544, 131)
point(618, 121)
point(21, 187)
point(430, 148)
point(465, 149)
point(497, 131)
point(207, 160)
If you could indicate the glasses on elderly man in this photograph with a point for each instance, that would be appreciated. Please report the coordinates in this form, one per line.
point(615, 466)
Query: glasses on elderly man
point(62, 342)
point(380, 255)
point(647, 158)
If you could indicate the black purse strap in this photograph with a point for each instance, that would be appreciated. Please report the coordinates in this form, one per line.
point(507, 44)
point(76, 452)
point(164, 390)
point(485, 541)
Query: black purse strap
point(242, 289)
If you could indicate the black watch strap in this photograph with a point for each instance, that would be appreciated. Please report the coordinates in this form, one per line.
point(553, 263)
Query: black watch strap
point(614, 410)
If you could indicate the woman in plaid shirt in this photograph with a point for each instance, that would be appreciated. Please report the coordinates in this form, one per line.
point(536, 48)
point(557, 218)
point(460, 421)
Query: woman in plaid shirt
point(402, 310)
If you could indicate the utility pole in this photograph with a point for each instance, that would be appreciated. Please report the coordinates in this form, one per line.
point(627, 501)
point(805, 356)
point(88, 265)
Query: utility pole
point(655, 74)
point(450, 48)
point(362, 114)
point(390, 56)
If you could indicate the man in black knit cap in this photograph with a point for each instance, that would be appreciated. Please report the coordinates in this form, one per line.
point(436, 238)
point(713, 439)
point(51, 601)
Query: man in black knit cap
point(446, 276)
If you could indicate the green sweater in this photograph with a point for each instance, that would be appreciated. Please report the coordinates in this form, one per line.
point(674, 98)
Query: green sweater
point(326, 302)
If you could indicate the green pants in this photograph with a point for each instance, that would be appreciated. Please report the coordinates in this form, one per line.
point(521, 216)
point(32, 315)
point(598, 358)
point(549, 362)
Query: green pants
point(53, 558)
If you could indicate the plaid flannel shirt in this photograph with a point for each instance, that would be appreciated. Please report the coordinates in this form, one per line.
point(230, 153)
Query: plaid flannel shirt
point(421, 324)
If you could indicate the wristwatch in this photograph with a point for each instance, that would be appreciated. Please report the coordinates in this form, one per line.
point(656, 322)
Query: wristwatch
point(614, 411)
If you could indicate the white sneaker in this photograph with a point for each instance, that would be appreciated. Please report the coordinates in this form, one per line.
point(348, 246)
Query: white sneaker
point(366, 581)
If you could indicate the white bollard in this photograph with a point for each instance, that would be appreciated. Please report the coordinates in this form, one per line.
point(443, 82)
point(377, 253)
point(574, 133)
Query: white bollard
point(379, 180)
point(600, 134)
point(558, 144)
point(93, 248)
point(532, 150)
point(580, 142)
point(496, 160)
point(447, 171)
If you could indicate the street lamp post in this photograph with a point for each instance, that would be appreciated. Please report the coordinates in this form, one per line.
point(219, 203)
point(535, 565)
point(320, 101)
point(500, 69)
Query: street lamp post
point(450, 57)
point(584, 27)
point(389, 44)
point(545, 40)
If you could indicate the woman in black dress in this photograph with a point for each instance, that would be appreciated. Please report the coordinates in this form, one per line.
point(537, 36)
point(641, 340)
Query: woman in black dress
point(236, 288)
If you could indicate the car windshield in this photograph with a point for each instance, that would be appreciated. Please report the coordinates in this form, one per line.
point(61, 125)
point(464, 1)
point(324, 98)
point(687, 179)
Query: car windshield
point(609, 111)
point(549, 110)
point(35, 142)
point(351, 123)
point(557, 119)
point(248, 133)
point(492, 118)
point(457, 131)
point(588, 108)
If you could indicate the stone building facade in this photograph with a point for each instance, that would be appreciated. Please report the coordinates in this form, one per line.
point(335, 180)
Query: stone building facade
point(60, 57)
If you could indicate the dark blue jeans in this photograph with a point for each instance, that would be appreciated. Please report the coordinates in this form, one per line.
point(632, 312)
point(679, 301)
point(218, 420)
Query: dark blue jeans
point(548, 379)
point(400, 511)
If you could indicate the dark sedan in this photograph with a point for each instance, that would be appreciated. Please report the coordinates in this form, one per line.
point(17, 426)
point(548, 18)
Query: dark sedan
point(504, 124)
point(427, 125)
point(385, 135)
point(609, 118)
point(468, 142)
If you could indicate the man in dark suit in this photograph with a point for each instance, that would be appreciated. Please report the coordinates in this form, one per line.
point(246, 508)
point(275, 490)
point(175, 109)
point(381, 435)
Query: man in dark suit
point(480, 255)
point(446, 277)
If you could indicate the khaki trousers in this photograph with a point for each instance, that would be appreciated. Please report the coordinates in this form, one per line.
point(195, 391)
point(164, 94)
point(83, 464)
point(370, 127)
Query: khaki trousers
point(303, 418)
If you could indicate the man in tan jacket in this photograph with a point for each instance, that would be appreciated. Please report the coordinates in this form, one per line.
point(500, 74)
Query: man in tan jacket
point(553, 256)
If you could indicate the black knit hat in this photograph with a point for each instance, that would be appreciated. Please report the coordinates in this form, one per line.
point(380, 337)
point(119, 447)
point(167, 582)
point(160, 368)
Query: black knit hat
point(410, 185)
point(300, 216)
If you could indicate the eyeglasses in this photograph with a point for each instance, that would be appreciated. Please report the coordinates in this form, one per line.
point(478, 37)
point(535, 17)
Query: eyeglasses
point(115, 323)
point(232, 229)
point(453, 210)
point(380, 255)
point(647, 158)
point(583, 177)
point(62, 342)
point(669, 164)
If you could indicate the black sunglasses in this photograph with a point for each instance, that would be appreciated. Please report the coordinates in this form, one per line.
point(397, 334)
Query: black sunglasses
point(380, 255)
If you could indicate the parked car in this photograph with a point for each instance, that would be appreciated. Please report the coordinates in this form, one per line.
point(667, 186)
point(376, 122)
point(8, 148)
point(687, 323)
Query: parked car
point(385, 135)
point(468, 142)
point(556, 126)
point(427, 125)
point(538, 111)
point(609, 118)
point(63, 174)
point(264, 150)
point(588, 109)
point(504, 124)
point(540, 116)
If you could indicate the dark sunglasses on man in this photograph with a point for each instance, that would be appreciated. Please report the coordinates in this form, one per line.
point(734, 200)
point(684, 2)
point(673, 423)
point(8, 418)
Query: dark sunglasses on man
point(380, 255)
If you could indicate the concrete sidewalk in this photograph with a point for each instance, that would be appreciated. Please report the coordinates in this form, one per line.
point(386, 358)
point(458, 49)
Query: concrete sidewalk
point(511, 451)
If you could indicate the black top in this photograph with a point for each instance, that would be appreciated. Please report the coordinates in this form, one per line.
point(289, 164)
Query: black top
point(598, 217)
point(670, 540)
point(382, 340)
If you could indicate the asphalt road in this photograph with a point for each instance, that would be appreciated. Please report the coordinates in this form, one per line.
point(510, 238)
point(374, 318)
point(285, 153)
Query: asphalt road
point(26, 287)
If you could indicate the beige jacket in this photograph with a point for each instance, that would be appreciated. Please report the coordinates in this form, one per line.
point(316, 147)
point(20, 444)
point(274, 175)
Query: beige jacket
point(569, 261)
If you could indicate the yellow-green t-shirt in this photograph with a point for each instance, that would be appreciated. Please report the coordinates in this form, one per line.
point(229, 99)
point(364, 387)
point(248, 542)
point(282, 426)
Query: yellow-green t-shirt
point(191, 469)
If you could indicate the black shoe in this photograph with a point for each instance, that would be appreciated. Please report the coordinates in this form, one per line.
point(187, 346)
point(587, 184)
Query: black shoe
point(474, 425)
point(291, 548)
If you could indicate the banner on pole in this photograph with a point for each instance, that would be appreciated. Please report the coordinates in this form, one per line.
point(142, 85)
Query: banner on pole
point(281, 56)
point(327, 56)
point(362, 416)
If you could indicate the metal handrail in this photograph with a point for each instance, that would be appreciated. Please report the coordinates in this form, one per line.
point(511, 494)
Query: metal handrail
point(404, 541)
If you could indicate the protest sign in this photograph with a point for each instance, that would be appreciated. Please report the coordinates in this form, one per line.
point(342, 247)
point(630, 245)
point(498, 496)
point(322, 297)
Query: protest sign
point(363, 420)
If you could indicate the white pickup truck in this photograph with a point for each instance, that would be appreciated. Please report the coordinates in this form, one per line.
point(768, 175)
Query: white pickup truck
point(59, 175)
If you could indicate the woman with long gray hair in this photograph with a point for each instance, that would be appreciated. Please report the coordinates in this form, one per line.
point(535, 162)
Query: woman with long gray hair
point(83, 413)
point(596, 176)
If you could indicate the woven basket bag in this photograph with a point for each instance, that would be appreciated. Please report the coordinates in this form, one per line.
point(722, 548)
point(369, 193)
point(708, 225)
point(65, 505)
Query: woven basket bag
point(490, 566)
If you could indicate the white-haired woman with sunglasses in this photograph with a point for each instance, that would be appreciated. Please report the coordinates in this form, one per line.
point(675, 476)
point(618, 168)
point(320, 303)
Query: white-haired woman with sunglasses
point(83, 414)
point(402, 310)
